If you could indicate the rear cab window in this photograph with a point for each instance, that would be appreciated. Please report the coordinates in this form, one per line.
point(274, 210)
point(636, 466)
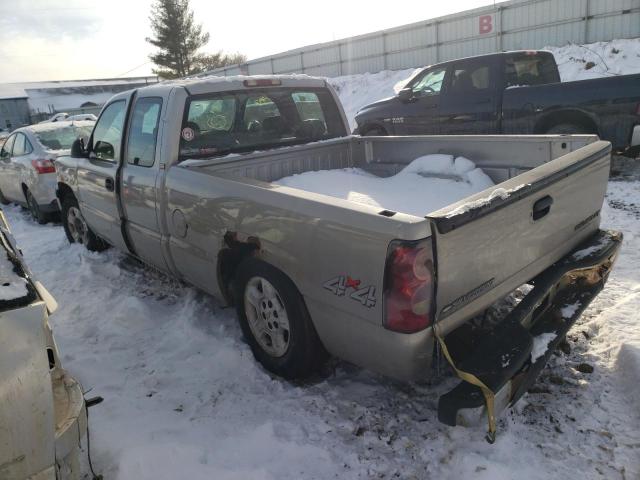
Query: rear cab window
point(257, 119)
point(530, 68)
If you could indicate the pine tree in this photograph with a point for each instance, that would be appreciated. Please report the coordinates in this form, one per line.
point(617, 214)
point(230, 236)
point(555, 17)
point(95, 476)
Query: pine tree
point(212, 61)
point(177, 37)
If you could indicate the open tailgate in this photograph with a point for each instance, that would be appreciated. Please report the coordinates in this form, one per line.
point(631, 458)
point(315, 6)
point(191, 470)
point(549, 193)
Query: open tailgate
point(492, 242)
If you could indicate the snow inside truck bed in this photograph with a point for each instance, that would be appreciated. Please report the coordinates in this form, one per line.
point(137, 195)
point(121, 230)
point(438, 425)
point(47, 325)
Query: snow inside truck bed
point(427, 184)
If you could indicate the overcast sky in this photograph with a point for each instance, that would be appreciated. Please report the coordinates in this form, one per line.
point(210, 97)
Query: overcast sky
point(78, 39)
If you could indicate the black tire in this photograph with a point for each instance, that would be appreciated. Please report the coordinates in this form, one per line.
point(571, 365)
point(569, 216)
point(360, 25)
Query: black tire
point(37, 214)
point(304, 353)
point(567, 129)
point(86, 237)
point(3, 199)
point(374, 132)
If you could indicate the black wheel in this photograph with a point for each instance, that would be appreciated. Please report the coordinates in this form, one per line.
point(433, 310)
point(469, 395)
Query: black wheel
point(76, 228)
point(3, 199)
point(37, 214)
point(275, 321)
point(566, 129)
point(374, 132)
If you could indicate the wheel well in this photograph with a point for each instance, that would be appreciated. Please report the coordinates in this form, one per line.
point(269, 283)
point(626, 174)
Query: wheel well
point(24, 190)
point(571, 117)
point(229, 259)
point(372, 126)
point(63, 190)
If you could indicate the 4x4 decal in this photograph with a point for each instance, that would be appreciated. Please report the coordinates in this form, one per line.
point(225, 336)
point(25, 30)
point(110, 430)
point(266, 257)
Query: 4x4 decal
point(339, 286)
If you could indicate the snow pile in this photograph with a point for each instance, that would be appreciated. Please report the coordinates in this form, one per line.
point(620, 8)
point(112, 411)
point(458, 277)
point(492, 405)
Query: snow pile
point(499, 192)
point(569, 310)
point(356, 91)
point(595, 60)
point(12, 285)
point(427, 184)
point(541, 345)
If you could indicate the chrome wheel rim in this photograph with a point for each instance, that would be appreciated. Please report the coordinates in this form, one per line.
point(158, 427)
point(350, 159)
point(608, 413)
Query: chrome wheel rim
point(267, 316)
point(77, 226)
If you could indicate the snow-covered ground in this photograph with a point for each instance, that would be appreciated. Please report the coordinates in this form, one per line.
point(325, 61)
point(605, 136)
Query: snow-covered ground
point(575, 62)
point(185, 399)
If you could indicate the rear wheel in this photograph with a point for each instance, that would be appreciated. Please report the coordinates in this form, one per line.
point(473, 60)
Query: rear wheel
point(37, 214)
point(275, 321)
point(76, 228)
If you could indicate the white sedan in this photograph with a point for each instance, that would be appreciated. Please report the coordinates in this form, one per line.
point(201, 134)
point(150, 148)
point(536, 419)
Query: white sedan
point(27, 170)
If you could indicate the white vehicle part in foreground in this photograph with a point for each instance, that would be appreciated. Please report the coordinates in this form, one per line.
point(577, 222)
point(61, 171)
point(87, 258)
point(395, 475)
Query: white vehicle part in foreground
point(42, 410)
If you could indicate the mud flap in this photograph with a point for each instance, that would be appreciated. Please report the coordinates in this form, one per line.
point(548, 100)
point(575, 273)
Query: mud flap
point(500, 369)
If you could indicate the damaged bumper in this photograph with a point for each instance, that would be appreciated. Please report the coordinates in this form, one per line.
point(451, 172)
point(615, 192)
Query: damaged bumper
point(503, 359)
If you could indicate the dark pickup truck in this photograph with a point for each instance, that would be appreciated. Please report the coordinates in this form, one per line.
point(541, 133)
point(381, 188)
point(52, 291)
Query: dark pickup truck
point(509, 93)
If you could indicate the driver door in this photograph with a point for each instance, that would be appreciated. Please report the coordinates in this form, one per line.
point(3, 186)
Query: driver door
point(97, 174)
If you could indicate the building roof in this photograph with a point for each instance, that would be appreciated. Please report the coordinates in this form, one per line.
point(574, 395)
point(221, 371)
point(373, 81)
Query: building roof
point(67, 94)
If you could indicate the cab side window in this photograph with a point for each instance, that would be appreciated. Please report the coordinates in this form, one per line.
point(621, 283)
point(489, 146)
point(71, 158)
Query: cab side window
point(107, 134)
point(22, 146)
point(7, 147)
point(430, 83)
point(469, 78)
point(143, 132)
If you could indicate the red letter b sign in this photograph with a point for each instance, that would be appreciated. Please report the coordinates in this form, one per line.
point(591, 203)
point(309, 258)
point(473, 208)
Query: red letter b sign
point(486, 24)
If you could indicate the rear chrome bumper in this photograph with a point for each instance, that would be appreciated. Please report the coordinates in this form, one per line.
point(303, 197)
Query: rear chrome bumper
point(502, 359)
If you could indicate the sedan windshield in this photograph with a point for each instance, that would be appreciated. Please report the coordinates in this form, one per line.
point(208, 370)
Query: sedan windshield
point(257, 119)
point(61, 138)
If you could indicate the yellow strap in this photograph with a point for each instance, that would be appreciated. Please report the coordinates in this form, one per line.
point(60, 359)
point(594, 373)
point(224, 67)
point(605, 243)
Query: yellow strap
point(489, 396)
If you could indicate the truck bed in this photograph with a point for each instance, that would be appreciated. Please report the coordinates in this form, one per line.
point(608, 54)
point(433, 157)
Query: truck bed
point(500, 157)
point(487, 244)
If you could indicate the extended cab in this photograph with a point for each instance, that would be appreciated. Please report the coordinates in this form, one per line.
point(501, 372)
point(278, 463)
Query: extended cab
point(509, 93)
point(181, 175)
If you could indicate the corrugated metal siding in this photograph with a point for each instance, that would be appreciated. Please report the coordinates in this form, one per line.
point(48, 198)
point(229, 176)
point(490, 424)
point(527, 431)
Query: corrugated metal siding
point(518, 24)
point(14, 113)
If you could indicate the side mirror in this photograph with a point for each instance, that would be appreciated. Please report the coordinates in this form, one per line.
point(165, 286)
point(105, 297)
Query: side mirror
point(77, 148)
point(104, 150)
point(406, 94)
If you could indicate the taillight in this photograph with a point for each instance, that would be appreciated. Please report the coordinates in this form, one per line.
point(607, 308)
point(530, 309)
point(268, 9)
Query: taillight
point(43, 165)
point(409, 286)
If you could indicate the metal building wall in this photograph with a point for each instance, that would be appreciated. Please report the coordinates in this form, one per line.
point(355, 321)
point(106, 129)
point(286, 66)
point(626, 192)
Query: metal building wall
point(14, 113)
point(517, 24)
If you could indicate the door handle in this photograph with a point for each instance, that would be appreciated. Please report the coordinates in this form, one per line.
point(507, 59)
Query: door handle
point(542, 207)
point(109, 184)
point(486, 101)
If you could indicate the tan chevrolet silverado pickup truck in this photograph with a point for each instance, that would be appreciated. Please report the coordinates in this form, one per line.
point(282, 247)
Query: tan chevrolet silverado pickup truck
point(182, 175)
